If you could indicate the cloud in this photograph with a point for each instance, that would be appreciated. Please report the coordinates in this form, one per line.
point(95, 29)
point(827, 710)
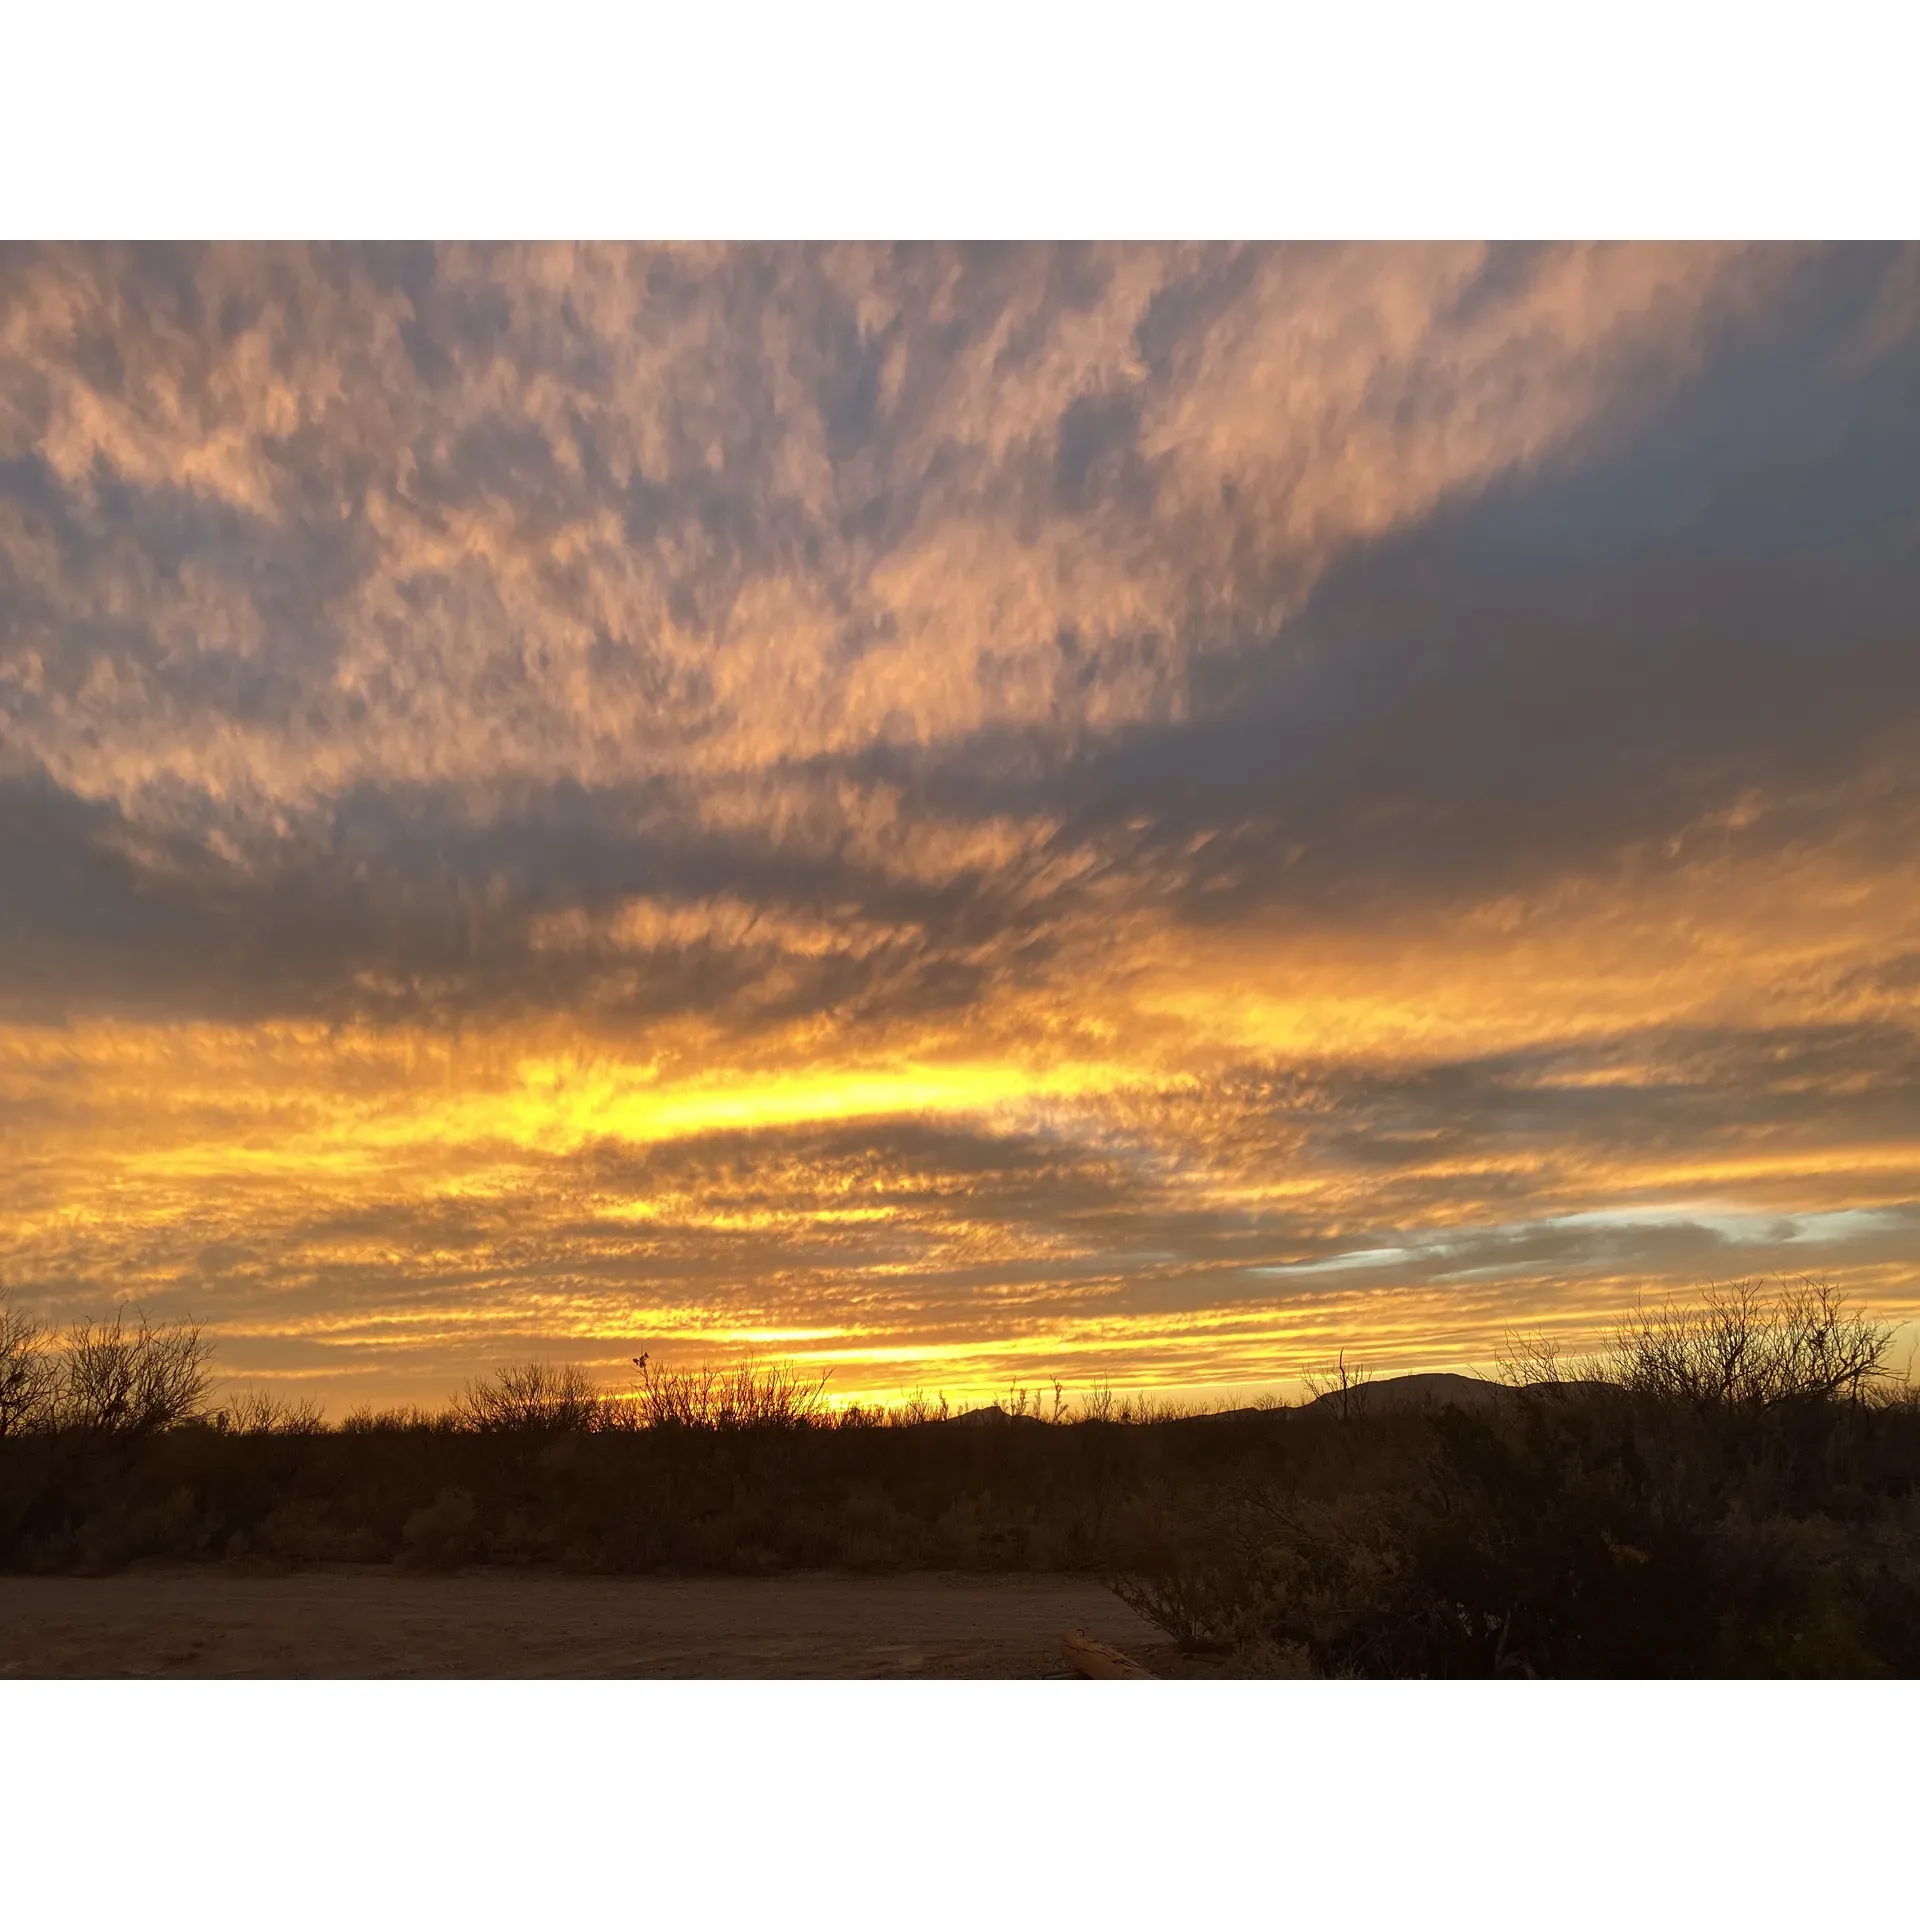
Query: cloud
point(1117, 803)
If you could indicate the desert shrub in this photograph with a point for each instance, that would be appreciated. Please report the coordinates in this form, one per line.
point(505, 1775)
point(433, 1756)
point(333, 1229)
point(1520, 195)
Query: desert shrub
point(1340, 1387)
point(442, 1536)
point(27, 1375)
point(1566, 1535)
point(741, 1399)
point(1739, 1348)
point(872, 1533)
point(255, 1413)
point(384, 1420)
point(1101, 1406)
point(1736, 1347)
point(1579, 1525)
point(917, 1411)
point(127, 1382)
point(533, 1397)
point(1203, 1604)
point(168, 1526)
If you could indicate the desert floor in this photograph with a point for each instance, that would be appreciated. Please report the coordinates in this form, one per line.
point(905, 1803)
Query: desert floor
point(352, 1622)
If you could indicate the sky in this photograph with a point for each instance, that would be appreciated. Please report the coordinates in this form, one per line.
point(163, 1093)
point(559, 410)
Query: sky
point(955, 815)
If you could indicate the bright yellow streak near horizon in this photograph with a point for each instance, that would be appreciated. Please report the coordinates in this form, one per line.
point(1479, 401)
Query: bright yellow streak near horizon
point(397, 1205)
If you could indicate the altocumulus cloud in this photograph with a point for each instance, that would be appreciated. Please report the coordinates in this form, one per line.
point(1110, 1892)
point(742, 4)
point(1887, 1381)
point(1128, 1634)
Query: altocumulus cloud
point(953, 813)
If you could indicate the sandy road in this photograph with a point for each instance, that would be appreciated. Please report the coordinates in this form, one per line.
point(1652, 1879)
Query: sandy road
point(354, 1622)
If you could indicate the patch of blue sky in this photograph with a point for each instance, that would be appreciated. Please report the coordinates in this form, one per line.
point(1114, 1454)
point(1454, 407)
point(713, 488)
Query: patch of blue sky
point(1745, 1226)
point(1740, 1227)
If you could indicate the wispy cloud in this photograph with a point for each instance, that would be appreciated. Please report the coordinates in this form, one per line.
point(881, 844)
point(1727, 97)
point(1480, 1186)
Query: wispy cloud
point(953, 810)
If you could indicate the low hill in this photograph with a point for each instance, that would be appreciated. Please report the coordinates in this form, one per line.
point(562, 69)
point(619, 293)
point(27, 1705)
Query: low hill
point(1413, 1390)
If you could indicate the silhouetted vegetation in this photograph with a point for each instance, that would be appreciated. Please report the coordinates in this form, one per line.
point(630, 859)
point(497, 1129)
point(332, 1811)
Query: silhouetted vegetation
point(1730, 1488)
point(1727, 1489)
point(534, 1398)
point(26, 1372)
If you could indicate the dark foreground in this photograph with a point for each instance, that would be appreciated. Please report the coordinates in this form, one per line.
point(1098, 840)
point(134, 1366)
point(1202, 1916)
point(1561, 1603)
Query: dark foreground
point(1445, 1530)
point(370, 1623)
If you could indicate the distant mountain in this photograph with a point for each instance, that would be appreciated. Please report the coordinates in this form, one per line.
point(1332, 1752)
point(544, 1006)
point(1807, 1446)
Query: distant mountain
point(992, 1416)
point(1414, 1390)
point(1402, 1392)
point(1382, 1396)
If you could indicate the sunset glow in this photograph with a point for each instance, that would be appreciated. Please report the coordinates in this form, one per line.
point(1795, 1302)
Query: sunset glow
point(953, 815)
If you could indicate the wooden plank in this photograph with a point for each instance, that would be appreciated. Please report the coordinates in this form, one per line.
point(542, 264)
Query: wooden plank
point(1098, 1661)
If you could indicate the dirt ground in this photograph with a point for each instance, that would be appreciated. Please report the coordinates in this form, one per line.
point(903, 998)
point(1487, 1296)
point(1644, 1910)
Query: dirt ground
point(359, 1622)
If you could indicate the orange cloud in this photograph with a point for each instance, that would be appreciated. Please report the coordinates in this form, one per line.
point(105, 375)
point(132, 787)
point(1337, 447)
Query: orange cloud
point(950, 812)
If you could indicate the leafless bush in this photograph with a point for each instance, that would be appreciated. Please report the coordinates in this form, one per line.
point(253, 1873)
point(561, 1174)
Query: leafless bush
point(1740, 1349)
point(1340, 1385)
point(129, 1381)
point(1096, 1403)
point(441, 1537)
point(1895, 1390)
point(534, 1397)
point(918, 1411)
point(264, 1413)
point(746, 1398)
point(409, 1419)
point(1142, 1410)
point(1538, 1360)
point(1737, 1348)
point(1185, 1601)
point(27, 1375)
point(1024, 1403)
